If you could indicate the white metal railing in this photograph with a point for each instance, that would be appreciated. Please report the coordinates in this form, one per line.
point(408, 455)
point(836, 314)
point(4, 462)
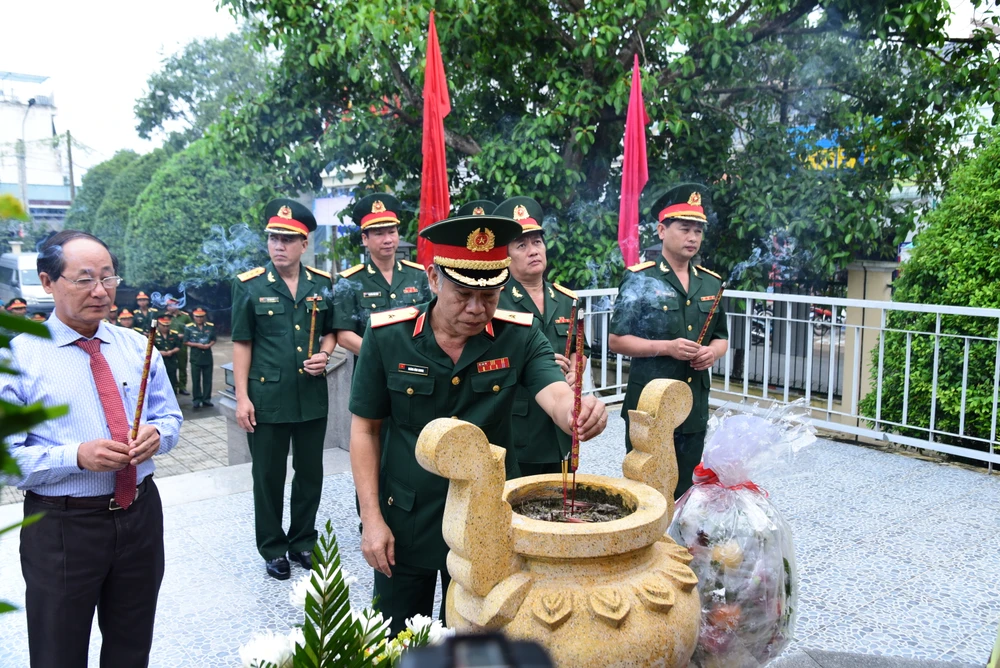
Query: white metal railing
point(778, 353)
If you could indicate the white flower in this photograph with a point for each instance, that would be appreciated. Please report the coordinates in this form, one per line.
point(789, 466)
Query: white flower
point(296, 637)
point(268, 647)
point(439, 632)
point(304, 585)
point(373, 625)
point(436, 631)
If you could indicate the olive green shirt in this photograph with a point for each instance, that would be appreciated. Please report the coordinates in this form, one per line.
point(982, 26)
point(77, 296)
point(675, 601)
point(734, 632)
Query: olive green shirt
point(363, 290)
point(204, 334)
point(181, 320)
point(404, 378)
point(277, 324)
point(168, 341)
point(144, 322)
point(537, 439)
point(652, 304)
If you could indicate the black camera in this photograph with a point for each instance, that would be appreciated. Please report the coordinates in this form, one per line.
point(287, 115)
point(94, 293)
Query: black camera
point(486, 650)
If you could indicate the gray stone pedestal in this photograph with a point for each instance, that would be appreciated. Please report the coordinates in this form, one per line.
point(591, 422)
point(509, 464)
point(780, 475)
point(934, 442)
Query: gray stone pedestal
point(339, 373)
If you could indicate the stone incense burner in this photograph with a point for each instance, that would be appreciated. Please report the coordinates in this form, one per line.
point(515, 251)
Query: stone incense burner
point(615, 593)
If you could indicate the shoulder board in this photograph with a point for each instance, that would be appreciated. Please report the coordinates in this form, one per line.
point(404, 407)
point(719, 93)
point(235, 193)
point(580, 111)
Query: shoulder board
point(708, 271)
point(324, 274)
point(641, 266)
point(392, 317)
point(210, 324)
point(190, 324)
point(515, 317)
point(566, 291)
point(351, 271)
point(414, 265)
point(139, 330)
point(174, 331)
point(185, 313)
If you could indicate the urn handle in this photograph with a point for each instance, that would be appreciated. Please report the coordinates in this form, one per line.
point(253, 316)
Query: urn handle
point(477, 520)
point(663, 406)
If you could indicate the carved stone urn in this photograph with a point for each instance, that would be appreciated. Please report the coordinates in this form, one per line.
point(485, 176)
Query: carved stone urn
point(615, 593)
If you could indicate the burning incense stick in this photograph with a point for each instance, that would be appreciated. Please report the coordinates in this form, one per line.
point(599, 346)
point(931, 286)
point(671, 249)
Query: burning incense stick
point(572, 327)
point(711, 314)
point(312, 325)
point(150, 340)
point(574, 463)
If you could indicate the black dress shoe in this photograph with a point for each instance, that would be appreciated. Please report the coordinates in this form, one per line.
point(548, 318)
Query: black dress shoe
point(184, 392)
point(303, 559)
point(207, 403)
point(196, 405)
point(278, 568)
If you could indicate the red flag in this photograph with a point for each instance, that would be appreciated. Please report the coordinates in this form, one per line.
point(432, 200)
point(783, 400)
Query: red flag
point(635, 172)
point(435, 201)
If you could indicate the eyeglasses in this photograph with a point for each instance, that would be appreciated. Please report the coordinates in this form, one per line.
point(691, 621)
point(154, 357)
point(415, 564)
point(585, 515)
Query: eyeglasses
point(87, 283)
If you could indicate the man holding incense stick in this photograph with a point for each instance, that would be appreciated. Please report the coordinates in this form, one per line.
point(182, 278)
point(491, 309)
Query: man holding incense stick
point(456, 356)
point(281, 393)
point(99, 543)
point(540, 445)
point(668, 320)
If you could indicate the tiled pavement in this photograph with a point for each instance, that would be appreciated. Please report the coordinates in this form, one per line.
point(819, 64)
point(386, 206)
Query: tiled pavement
point(897, 556)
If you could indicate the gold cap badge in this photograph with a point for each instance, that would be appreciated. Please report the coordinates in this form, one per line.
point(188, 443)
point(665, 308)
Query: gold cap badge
point(481, 240)
point(378, 207)
point(285, 212)
point(478, 211)
point(520, 213)
point(695, 199)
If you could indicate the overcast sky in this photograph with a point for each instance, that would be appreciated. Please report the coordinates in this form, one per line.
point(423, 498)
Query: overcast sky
point(98, 55)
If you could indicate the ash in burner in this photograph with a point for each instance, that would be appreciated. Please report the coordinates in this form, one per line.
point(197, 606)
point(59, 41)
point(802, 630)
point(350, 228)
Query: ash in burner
point(591, 505)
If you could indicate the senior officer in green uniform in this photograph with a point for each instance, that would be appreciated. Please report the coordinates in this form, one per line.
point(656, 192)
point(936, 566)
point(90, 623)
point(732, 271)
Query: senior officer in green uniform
point(199, 336)
point(281, 393)
point(181, 319)
point(457, 356)
point(540, 444)
point(168, 342)
point(144, 316)
point(661, 308)
point(380, 285)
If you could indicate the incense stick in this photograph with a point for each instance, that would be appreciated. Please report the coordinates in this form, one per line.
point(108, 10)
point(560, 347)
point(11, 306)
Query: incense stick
point(312, 327)
point(150, 341)
point(577, 405)
point(711, 314)
point(572, 328)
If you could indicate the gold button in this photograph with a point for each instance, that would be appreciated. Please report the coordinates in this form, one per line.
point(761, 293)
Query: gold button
point(262, 379)
point(301, 370)
point(496, 388)
point(270, 312)
point(689, 328)
point(409, 390)
point(456, 380)
point(664, 308)
point(299, 348)
point(297, 327)
point(373, 306)
point(392, 296)
point(389, 501)
point(688, 303)
point(689, 380)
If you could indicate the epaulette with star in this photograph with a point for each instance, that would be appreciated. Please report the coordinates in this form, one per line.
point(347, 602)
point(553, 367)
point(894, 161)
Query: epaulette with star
point(190, 324)
point(641, 266)
point(174, 331)
point(515, 317)
point(351, 270)
point(414, 265)
point(210, 324)
point(324, 274)
point(708, 271)
point(392, 317)
point(566, 291)
point(247, 275)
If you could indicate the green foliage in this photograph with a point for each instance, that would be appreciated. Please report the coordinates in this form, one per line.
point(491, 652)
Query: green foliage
point(193, 86)
point(15, 419)
point(175, 213)
point(12, 209)
point(82, 215)
point(112, 215)
point(955, 261)
point(740, 93)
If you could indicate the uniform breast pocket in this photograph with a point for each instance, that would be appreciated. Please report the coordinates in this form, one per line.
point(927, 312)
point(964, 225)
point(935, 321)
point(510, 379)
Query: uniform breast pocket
point(264, 388)
point(374, 301)
point(271, 319)
point(495, 392)
point(562, 331)
point(663, 320)
point(412, 398)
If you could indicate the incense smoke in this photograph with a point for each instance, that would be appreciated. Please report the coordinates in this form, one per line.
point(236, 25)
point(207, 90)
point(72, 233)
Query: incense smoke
point(228, 255)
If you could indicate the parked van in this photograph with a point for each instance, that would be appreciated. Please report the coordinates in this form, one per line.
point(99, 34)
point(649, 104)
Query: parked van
point(19, 278)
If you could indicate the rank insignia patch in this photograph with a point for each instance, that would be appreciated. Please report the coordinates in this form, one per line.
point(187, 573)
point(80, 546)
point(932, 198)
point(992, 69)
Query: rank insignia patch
point(563, 320)
point(415, 369)
point(409, 290)
point(493, 365)
point(708, 298)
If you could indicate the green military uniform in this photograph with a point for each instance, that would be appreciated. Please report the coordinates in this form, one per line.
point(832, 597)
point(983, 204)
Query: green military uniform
point(169, 341)
point(201, 361)
point(404, 378)
point(652, 304)
point(362, 290)
point(540, 444)
point(289, 404)
point(180, 321)
point(144, 321)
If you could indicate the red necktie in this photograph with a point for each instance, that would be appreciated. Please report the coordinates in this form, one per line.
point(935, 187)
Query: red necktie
point(114, 413)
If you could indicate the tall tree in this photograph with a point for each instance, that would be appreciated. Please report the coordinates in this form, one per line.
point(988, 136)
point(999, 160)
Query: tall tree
point(111, 220)
point(193, 86)
point(82, 215)
point(741, 92)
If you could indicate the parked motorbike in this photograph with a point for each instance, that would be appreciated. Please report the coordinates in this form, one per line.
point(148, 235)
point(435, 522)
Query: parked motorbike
point(823, 318)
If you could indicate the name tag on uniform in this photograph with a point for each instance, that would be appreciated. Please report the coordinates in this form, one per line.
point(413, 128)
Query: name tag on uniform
point(366, 295)
point(413, 368)
point(410, 290)
point(708, 298)
point(269, 300)
point(493, 365)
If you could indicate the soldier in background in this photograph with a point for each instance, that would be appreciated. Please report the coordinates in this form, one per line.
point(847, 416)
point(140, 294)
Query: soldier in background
point(125, 319)
point(17, 306)
point(144, 316)
point(180, 320)
point(199, 336)
point(168, 342)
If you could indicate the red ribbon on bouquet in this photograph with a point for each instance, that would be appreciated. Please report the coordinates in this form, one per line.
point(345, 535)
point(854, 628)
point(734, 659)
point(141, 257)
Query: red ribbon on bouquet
point(704, 476)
